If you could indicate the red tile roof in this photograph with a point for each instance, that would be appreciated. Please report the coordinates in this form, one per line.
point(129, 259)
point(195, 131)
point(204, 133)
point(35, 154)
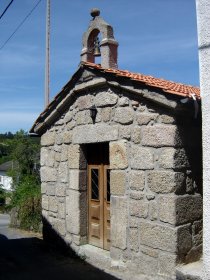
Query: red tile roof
point(166, 86)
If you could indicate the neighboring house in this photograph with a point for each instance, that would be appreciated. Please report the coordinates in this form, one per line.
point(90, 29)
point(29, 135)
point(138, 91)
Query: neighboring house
point(121, 165)
point(5, 180)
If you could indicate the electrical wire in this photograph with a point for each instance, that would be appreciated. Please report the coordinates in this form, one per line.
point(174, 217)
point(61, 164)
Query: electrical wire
point(21, 23)
point(7, 7)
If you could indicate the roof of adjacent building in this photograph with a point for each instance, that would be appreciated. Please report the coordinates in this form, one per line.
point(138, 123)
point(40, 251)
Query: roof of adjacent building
point(6, 166)
point(167, 86)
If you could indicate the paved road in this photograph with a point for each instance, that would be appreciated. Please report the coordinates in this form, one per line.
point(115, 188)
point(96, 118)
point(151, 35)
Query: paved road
point(25, 257)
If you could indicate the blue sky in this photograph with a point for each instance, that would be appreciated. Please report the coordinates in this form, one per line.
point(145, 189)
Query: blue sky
point(156, 37)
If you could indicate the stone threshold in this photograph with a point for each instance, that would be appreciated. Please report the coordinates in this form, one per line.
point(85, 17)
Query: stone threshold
point(101, 259)
point(191, 271)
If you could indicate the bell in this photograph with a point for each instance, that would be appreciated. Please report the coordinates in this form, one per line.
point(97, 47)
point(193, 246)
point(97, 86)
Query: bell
point(97, 51)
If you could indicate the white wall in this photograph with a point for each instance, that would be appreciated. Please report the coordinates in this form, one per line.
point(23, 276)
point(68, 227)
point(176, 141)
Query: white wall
point(5, 181)
point(203, 20)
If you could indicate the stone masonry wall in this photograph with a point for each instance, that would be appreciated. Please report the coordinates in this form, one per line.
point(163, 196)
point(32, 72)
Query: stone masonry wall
point(156, 205)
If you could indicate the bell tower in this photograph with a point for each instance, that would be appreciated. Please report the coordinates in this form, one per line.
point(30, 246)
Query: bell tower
point(92, 47)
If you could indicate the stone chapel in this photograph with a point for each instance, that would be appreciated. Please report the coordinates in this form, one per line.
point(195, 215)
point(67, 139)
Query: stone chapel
point(121, 165)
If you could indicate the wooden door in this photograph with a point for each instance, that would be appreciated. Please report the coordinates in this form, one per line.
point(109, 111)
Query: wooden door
point(99, 205)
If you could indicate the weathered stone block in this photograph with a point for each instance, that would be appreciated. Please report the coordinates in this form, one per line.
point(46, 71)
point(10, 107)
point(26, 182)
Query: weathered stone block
point(61, 226)
point(119, 221)
point(125, 132)
point(184, 239)
point(118, 182)
point(124, 115)
point(133, 239)
point(70, 125)
point(48, 174)
point(60, 190)
point(118, 155)
point(123, 101)
point(51, 188)
point(139, 208)
point(165, 181)
point(63, 172)
point(161, 136)
point(47, 157)
point(64, 153)
point(53, 204)
point(43, 188)
point(48, 139)
point(136, 134)
point(149, 251)
point(189, 208)
point(137, 180)
point(76, 207)
point(76, 158)
point(133, 222)
point(83, 117)
point(173, 158)
point(67, 137)
point(141, 158)
point(45, 202)
point(167, 119)
point(59, 138)
point(153, 210)
point(178, 210)
point(94, 133)
point(61, 210)
point(167, 264)
point(158, 236)
point(103, 99)
point(137, 195)
point(145, 118)
point(78, 179)
point(84, 102)
point(68, 117)
point(106, 114)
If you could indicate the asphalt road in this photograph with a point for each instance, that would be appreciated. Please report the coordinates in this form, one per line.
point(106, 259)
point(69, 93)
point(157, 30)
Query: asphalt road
point(24, 256)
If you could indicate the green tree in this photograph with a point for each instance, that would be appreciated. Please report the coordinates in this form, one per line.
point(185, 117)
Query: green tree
point(26, 197)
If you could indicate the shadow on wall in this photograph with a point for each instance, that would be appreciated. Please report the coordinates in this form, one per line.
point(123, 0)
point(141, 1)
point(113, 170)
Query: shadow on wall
point(31, 258)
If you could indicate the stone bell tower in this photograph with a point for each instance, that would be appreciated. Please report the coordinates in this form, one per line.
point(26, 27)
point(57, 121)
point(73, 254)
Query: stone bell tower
point(108, 45)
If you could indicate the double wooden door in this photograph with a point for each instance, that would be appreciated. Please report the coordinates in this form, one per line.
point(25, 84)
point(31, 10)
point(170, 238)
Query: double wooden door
point(99, 204)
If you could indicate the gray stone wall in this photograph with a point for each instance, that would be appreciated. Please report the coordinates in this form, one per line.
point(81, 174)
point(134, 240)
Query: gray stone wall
point(156, 204)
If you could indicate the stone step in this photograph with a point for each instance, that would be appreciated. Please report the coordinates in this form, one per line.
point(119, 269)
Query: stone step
point(192, 271)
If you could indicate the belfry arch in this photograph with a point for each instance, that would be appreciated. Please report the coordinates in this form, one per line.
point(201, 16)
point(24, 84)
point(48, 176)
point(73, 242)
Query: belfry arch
point(108, 44)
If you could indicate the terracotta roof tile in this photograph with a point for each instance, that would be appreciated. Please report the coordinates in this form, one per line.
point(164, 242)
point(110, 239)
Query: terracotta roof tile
point(166, 86)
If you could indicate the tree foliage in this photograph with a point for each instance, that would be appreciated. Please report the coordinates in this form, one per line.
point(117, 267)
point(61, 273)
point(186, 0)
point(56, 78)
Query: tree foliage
point(24, 151)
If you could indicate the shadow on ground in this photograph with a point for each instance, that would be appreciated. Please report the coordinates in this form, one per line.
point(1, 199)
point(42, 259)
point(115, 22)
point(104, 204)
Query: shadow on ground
point(31, 258)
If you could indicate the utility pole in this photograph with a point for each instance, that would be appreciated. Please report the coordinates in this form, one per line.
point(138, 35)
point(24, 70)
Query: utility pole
point(47, 61)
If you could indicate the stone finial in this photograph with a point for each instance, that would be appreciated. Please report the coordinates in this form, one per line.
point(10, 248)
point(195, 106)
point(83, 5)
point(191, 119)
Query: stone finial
point(95, 12)
point(108, 44)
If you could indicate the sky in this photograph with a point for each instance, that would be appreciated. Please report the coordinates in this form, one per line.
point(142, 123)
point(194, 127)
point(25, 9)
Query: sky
point(156, 37)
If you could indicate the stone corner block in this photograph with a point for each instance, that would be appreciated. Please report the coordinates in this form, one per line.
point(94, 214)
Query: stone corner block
point(48, 138)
